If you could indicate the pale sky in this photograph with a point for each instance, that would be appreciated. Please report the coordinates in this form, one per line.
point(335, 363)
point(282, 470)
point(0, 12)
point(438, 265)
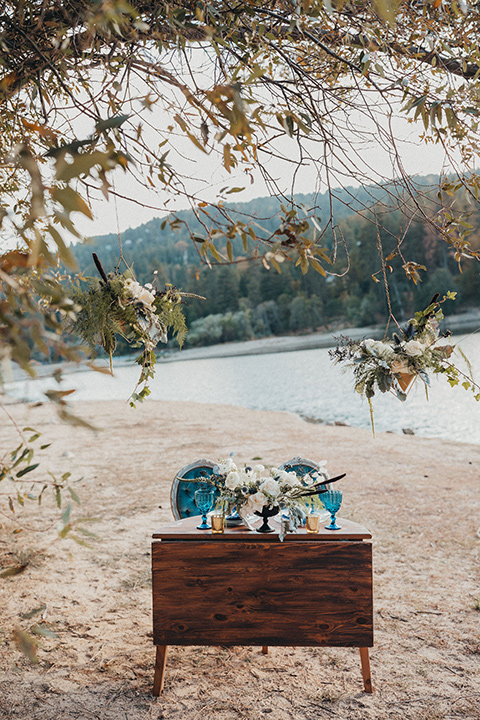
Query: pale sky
point(417, 158)
point(361, 133)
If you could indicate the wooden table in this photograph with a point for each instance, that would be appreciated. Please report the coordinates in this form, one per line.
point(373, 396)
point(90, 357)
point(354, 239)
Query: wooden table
point(247, 588)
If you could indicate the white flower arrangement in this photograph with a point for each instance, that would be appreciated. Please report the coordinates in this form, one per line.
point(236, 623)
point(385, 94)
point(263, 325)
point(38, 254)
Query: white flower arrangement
point(391, 365)
point(118, 305)
point(252, 488)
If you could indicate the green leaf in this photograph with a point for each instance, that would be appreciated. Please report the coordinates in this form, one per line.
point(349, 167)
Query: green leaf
point(75, 419)
point(65, 253)
point(58, 395)
point(213, 251)
point(181, 122)
point(28, 615)
point(82, 164)
point(43, 631)
point(87, 533)
point(66, 514)
point(73, 495)
point(195, 141)
point(318, 267)
point(26, 470)
point(113, 122)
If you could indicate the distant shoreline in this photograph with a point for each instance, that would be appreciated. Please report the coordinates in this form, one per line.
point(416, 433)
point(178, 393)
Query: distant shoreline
point(467, 322)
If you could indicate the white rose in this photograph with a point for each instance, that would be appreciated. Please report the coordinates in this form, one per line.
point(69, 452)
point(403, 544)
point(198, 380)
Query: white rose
point(233, 480)
point(138, 292)
point(318, 477)
point(132, 286)
point(414, 348)
point(289, 478)
point(258, 469)
point(378, 348)
point(245, 477)
point(225, 466)
point(322, 473)
point(256, 502)
point(270, 486)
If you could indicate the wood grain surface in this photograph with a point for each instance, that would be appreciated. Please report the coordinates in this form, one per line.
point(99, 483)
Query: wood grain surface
point(259, 593)
point(186, 529)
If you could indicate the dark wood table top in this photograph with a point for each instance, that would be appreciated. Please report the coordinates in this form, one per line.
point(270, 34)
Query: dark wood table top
point(186, 529)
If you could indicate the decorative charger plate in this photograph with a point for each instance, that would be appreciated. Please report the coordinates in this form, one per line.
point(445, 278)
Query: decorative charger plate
point(302, 466)
point(186, 482)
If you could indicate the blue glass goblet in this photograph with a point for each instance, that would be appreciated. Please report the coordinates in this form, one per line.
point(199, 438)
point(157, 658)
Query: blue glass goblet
point(204, 502)
point(331, 501)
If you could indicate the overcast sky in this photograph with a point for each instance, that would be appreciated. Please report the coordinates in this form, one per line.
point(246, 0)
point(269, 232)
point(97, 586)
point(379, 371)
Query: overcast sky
point(417, 158)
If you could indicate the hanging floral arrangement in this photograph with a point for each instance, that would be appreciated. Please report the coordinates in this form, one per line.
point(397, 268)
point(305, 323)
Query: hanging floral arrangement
point(117, 305)
point(393, 364)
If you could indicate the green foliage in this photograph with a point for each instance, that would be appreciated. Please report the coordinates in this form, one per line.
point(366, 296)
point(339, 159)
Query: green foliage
point(169, 308)
point(20, 482)
point(118, 305)
point(100, 317)
point(226, 327)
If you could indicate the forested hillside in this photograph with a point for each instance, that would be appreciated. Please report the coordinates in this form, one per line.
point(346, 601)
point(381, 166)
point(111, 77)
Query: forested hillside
point(244, 299)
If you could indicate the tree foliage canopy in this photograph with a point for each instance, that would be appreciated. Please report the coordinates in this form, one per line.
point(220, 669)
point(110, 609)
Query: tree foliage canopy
point(309, 83)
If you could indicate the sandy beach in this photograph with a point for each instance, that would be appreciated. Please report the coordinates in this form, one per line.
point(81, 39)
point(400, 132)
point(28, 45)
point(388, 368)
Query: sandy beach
point(419, 498)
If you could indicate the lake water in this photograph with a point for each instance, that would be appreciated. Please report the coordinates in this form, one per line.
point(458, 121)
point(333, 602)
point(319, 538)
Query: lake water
point(304, 382)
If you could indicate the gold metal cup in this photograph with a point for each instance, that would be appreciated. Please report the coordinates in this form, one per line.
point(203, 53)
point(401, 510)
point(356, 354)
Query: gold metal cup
point(313, 523)
point(218, 522)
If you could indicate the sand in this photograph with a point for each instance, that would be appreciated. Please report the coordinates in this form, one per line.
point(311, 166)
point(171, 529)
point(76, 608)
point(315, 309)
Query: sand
point(419, 498)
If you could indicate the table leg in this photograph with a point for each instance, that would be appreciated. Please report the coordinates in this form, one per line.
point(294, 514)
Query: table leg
point(265, 649)
point(365, 662)
point(160, 661)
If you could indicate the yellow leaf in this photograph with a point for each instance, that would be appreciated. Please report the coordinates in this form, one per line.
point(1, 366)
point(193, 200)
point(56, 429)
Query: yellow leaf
point(227, 157)
point(26, 644)
point(196, 142)
point(12, 571)
point(71, 201)
point(317, 266)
